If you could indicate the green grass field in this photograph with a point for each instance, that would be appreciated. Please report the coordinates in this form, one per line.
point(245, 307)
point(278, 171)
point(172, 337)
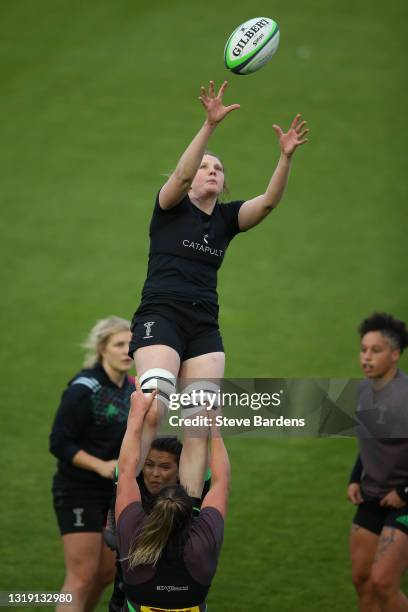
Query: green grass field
point(98, 101)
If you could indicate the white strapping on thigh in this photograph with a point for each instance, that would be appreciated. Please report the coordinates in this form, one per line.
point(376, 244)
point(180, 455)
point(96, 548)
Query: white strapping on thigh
point(162, 380)
point(206, 395)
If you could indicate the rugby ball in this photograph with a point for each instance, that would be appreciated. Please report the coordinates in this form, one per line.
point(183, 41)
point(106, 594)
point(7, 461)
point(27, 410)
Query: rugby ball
point(251, 45)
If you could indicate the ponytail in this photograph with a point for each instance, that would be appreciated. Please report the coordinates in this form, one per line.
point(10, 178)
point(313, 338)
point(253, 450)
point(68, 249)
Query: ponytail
point(170, 517)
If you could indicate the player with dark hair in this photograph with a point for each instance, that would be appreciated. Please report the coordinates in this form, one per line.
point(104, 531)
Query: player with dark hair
point(379, 480)
point(160, 468)
point(86, 436)
point(391, 328)
point(175, 329)
point(169, 557)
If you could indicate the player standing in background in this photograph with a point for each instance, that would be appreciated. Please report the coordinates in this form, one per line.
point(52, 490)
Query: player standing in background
point(379, 480)
point(175, 329)
point(86, 438)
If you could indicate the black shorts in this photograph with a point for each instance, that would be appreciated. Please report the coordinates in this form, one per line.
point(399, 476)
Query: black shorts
point(79, 512)
point(187, 327)
point(374, 517)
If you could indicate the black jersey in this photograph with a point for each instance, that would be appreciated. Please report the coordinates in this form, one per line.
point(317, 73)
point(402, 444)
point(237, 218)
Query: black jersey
point(91, 417)
point(187, 247)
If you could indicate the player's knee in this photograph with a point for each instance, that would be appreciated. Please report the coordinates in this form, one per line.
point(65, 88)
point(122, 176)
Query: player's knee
point(384, 583)
point(164, 382)
point(106, 577)
point(80, 582)
point(361, 579)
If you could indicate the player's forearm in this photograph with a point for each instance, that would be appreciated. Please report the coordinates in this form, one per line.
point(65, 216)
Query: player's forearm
point(190, 161)
point(130, 451)
point(277, 184)
point(219, 462)
point(85, 461)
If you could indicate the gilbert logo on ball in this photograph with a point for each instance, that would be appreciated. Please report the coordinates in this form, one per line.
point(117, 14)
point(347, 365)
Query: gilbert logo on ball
point(251, 45)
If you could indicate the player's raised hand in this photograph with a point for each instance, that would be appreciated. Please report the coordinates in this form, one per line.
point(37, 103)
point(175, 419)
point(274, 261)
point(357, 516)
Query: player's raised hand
point(294, 137)
point(213, 104)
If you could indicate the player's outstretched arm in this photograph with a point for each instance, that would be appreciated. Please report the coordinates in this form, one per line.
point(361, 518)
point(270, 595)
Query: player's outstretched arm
point(180, 181)
point(255, 210)
point(217, 496)
point(130, 451)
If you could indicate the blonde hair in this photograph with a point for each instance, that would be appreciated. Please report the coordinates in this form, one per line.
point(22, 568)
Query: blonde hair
point(170, 518)
point(99, 336)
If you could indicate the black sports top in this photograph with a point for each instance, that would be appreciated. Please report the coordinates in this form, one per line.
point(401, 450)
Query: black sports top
point(92, 416)
point(187, 246)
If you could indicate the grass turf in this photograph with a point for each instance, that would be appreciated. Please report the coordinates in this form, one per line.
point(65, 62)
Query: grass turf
point(98, 101)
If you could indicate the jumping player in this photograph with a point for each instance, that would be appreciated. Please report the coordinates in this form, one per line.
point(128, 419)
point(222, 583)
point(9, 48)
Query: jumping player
point(175, 329)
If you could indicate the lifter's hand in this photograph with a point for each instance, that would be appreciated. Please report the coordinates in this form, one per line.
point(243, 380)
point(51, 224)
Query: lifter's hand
point(293, 138)
point(354, 494)
point(140, 404)
point(392, 500)
point(216, 111)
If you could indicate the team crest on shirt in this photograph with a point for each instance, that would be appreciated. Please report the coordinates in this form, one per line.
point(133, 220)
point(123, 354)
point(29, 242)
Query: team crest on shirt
point(148, 325)
point(382, 409)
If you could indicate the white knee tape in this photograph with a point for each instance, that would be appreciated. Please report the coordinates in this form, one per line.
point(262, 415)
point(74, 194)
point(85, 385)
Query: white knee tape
point(204, 394)
point(161, 380)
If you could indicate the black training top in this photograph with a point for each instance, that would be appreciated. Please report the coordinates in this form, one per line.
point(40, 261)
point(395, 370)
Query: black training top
point(187, 246)
point(178, 580)
point(91, 417)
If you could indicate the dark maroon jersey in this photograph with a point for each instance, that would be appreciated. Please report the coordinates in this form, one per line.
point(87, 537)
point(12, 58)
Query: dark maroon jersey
point(176, 582)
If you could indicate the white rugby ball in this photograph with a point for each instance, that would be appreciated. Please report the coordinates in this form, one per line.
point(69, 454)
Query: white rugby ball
point(251, 45)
